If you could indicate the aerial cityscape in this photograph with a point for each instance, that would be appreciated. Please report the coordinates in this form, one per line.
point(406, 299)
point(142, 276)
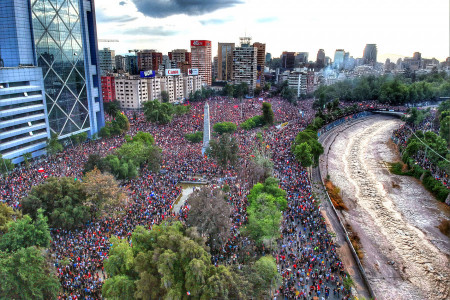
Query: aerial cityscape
point(212, 149)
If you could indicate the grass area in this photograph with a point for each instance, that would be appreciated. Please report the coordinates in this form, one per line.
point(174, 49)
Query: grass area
point(444, 227)
point(334, 193)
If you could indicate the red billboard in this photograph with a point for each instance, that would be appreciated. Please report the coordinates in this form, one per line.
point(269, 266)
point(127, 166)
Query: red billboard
point(202, 43)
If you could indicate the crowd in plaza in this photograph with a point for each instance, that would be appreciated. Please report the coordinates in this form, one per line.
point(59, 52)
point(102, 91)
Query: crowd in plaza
point(306, 254)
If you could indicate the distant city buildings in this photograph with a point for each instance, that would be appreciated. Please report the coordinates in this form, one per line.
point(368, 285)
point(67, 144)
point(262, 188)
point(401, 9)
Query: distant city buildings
point(260, 63)
point(225, 61)
point(370, 54)
point(106, 60)
point(245, 64)
point(320, 61)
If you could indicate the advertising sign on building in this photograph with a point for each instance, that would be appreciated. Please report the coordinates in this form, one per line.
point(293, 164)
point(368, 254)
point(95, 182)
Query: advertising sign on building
point(192, 71)
point(172, 72)
point(200, 43)
point(148, 74)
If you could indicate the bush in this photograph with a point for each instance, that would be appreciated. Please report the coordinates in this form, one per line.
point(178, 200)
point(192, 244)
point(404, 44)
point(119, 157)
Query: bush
point(224, 127)
point(195, 137)
point(256, 121)
point(435, 187)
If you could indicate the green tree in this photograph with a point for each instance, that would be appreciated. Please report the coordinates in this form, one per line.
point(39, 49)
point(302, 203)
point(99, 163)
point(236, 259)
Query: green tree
point(112, 108)
point(267, 113)
point(444, 130)
point(257, 91)
point(303, 154)
point(158, 112)
point(289, 94)
point(195, 137)
point(25, 274)
point(26, 159)
point(224, 127)
point(121, 121)
point(164, 97)
point(25, 233)
point(266, 87)
point(96, 161)
point(7, 214)
point(6, 165)
point(228, 90)
point(265, 276)
point(62, 200)
point(224, 150)
point(105, 132)
point(79, 138)
point(260, 166)
point(53, 145)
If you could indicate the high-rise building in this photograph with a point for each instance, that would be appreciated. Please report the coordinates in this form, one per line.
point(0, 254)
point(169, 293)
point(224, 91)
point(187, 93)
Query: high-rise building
point(131, 64)
point(149, 60)
point(215, 67)
point(201, 59)
point(268, 58)
point(106, 60)
point(288, 60)
point(260, 63)
point(61, 36)
point(245, 64)
point(120, 62)
point(131, 92)
point(301, 59)
point(338, 62)
point(320, 61)
point(108, 88)
point(370, 54)
point(181, 59)
point(225, 61)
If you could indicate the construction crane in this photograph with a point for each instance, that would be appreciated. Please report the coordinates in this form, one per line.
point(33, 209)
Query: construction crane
point(107, 41)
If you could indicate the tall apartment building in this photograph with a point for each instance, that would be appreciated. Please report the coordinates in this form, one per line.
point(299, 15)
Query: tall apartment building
point(260, 63)
point(173, 85)
point(120, 62)
point(131, 92)
point(154, 88)
point(191, 84)
point(181, 59)
point(225, 61)
point(107, 61)
point(370, 54)
point(215, 67)
point(201, 59)
point(245, 64)
point(149, 60)
point(299, 82)
point(108, 88)
point(37, 34)
point(301, 59)
point(320, 61)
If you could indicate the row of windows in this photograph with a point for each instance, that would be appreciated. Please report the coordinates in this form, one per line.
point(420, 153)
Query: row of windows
point(18, 105)
point(14, 84)
point(23, 146)
point(19, 95)
point(27, 134)
point(28, 124)
point(28, 114)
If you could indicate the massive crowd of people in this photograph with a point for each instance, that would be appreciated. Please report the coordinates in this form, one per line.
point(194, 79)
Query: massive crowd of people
point(306, 255)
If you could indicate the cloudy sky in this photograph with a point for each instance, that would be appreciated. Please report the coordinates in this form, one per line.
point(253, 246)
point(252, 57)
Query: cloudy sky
point(398, 27)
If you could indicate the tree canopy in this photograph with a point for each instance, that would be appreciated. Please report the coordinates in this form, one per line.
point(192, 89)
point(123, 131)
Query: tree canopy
point(224, 150)
point(224, 127)
point(158, 112)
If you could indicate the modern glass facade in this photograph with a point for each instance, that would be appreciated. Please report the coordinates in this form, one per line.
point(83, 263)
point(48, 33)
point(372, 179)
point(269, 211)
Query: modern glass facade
point(59, 47)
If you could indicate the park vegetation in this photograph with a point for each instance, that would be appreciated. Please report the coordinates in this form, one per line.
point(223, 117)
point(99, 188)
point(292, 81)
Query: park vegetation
point(172, 262)
point(266, 202)
point(306, 147)
point(224, 149)
point(69, 203)
point(163, 112)
point(138, 151)
point(119, 125)
point(267, 118)
point(195, 137)
point(224, 127)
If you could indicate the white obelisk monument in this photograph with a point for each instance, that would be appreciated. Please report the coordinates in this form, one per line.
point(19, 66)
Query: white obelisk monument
point(206, 129)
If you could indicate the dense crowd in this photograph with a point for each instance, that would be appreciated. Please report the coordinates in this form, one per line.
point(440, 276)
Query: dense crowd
point(306, 257)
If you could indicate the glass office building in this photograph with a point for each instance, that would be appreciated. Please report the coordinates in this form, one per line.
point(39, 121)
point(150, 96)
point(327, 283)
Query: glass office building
point(66, 48)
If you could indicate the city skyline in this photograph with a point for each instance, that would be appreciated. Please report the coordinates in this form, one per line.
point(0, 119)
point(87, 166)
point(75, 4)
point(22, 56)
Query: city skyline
point(168, 25)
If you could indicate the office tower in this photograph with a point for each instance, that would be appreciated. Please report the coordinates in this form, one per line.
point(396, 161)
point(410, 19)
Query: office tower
point(201, 59)
point(268, 58)
point(131, 64)
point(215, 67)
point(320, 61)
point(65, 37)
point(23, 112)
point(260, 63)
point(301, 59)
point(288, 60)
point(245, 64)
point(339, 59)
point(106, 59)
point(225, 61)
point(370, 54)
point(120, 62)
point(38, 34)
point(181, 59)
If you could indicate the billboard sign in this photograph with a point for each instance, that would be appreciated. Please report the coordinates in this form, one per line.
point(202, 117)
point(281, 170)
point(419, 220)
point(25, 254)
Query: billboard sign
point(192, 71)
point(200, 43)
point(172, 72)
point(148, 74)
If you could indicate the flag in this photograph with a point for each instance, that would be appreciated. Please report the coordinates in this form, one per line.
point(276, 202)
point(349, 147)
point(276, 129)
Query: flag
point(41, 170)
